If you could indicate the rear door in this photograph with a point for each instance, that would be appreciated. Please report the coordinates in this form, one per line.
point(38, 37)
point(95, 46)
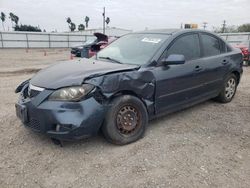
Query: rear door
point(214, 61)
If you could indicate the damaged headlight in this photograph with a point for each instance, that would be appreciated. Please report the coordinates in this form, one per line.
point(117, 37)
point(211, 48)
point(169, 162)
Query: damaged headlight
point(74, 93)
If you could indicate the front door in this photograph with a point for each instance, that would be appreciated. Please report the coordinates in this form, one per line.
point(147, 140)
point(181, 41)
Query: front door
point(177, 85)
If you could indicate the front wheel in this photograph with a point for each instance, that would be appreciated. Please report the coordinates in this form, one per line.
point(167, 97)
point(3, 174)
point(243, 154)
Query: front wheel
point(228, 90)
point(126, 120)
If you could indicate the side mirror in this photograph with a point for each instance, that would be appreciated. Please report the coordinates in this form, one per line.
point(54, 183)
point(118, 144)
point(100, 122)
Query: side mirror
point(174, 59)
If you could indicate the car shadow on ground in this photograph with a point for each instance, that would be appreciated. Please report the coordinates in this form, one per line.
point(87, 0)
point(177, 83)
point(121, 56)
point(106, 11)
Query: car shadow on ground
point(153, 126)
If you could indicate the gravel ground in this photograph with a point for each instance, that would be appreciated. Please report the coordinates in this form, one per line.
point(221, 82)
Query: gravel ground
point(207, 145)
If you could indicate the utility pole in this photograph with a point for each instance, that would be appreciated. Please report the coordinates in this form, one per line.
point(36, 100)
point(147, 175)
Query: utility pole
point(103, 15)
point(204, 25)
point(224, 26)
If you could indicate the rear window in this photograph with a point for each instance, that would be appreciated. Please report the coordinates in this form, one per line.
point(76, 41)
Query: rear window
point(211, 45)
point(223, 47)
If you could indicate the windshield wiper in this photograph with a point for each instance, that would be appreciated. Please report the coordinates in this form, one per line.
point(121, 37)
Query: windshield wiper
point(111, 59)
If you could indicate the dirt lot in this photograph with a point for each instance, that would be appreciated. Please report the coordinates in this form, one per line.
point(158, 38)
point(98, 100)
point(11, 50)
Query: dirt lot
point(207, 145)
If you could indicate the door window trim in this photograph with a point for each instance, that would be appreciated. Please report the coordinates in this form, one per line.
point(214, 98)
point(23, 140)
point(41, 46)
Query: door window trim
point(202, 45)
point(173, 41)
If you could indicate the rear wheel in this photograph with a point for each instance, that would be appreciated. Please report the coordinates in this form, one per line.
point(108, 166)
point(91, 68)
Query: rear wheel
point(126, 120)
point(228, 90)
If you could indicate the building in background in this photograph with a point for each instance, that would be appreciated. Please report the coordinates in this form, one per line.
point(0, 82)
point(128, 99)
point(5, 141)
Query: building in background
point(191, 26)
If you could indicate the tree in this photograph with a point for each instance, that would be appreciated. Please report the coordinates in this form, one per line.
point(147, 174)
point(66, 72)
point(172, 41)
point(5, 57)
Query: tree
point(16, 19)
point(27, 28)
point(228, 29)
point(231, 29)
point(11, 16)
point(3, 16)
point(107, 20)
point(68, 20)
point(72, 26)
point(244, 28)
point(81, 27)
point(87, 21)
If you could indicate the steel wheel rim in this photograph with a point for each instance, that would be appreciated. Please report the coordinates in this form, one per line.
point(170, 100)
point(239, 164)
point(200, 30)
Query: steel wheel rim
point(230, 88)
point(128, 120)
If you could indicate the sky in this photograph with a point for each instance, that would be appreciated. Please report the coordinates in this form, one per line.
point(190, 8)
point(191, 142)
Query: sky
point(128, 14)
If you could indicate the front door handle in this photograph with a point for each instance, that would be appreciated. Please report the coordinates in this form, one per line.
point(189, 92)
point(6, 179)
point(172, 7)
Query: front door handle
point(197, 68)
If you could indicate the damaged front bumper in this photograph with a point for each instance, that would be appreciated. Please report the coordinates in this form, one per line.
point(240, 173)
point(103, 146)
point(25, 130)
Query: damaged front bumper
point(58, 119)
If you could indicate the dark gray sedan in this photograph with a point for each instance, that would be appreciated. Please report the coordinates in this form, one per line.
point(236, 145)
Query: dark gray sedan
point(136, 78)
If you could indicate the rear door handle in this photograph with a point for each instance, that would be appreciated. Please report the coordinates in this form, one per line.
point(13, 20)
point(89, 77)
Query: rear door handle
point(224, 62)
point(197, 68)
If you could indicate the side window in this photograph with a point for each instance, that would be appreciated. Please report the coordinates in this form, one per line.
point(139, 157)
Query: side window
point(187, 45)
point(223, 47)
point(229, 49)
point(211, 45)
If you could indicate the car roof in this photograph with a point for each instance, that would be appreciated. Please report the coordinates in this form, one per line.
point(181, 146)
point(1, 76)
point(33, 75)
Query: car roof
point(172, 31)
point(160, 31)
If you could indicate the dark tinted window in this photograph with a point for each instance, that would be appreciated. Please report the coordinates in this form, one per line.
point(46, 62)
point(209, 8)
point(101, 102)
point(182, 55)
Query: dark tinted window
point(187, 45)
point(211, 45)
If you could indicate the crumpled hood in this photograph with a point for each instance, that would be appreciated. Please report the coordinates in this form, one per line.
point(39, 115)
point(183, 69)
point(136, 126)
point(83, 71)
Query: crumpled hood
point(71, 73)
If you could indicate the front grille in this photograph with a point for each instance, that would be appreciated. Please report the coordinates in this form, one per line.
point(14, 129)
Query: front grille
point(34, 124)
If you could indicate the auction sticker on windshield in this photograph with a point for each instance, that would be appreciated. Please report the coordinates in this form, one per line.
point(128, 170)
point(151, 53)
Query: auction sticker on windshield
point(151, 40)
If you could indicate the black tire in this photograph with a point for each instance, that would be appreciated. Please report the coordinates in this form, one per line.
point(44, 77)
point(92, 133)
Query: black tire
point(225, 96)
point(116, 129)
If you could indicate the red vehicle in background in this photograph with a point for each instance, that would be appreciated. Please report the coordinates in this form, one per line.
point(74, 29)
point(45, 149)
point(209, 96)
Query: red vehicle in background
point(245, 52)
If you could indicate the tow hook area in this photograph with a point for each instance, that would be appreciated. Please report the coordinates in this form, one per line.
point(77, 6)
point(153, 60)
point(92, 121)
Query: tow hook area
point(57, 142)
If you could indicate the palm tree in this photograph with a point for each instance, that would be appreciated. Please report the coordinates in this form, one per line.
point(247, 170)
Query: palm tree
point(16, 19)
point(81, 27)
point(107, 20)
point(72, 26)
point(3, 16)
point(12, 18)
point(87, 21)
point(68, 20)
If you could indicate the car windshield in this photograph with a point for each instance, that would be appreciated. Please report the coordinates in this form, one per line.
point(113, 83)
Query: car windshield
point(134, 48)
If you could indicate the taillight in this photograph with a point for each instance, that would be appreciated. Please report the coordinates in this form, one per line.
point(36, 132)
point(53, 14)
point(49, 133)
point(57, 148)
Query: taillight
point(244, 51)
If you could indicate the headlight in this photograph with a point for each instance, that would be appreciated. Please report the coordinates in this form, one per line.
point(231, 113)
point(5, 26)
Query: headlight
point(74, 93)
